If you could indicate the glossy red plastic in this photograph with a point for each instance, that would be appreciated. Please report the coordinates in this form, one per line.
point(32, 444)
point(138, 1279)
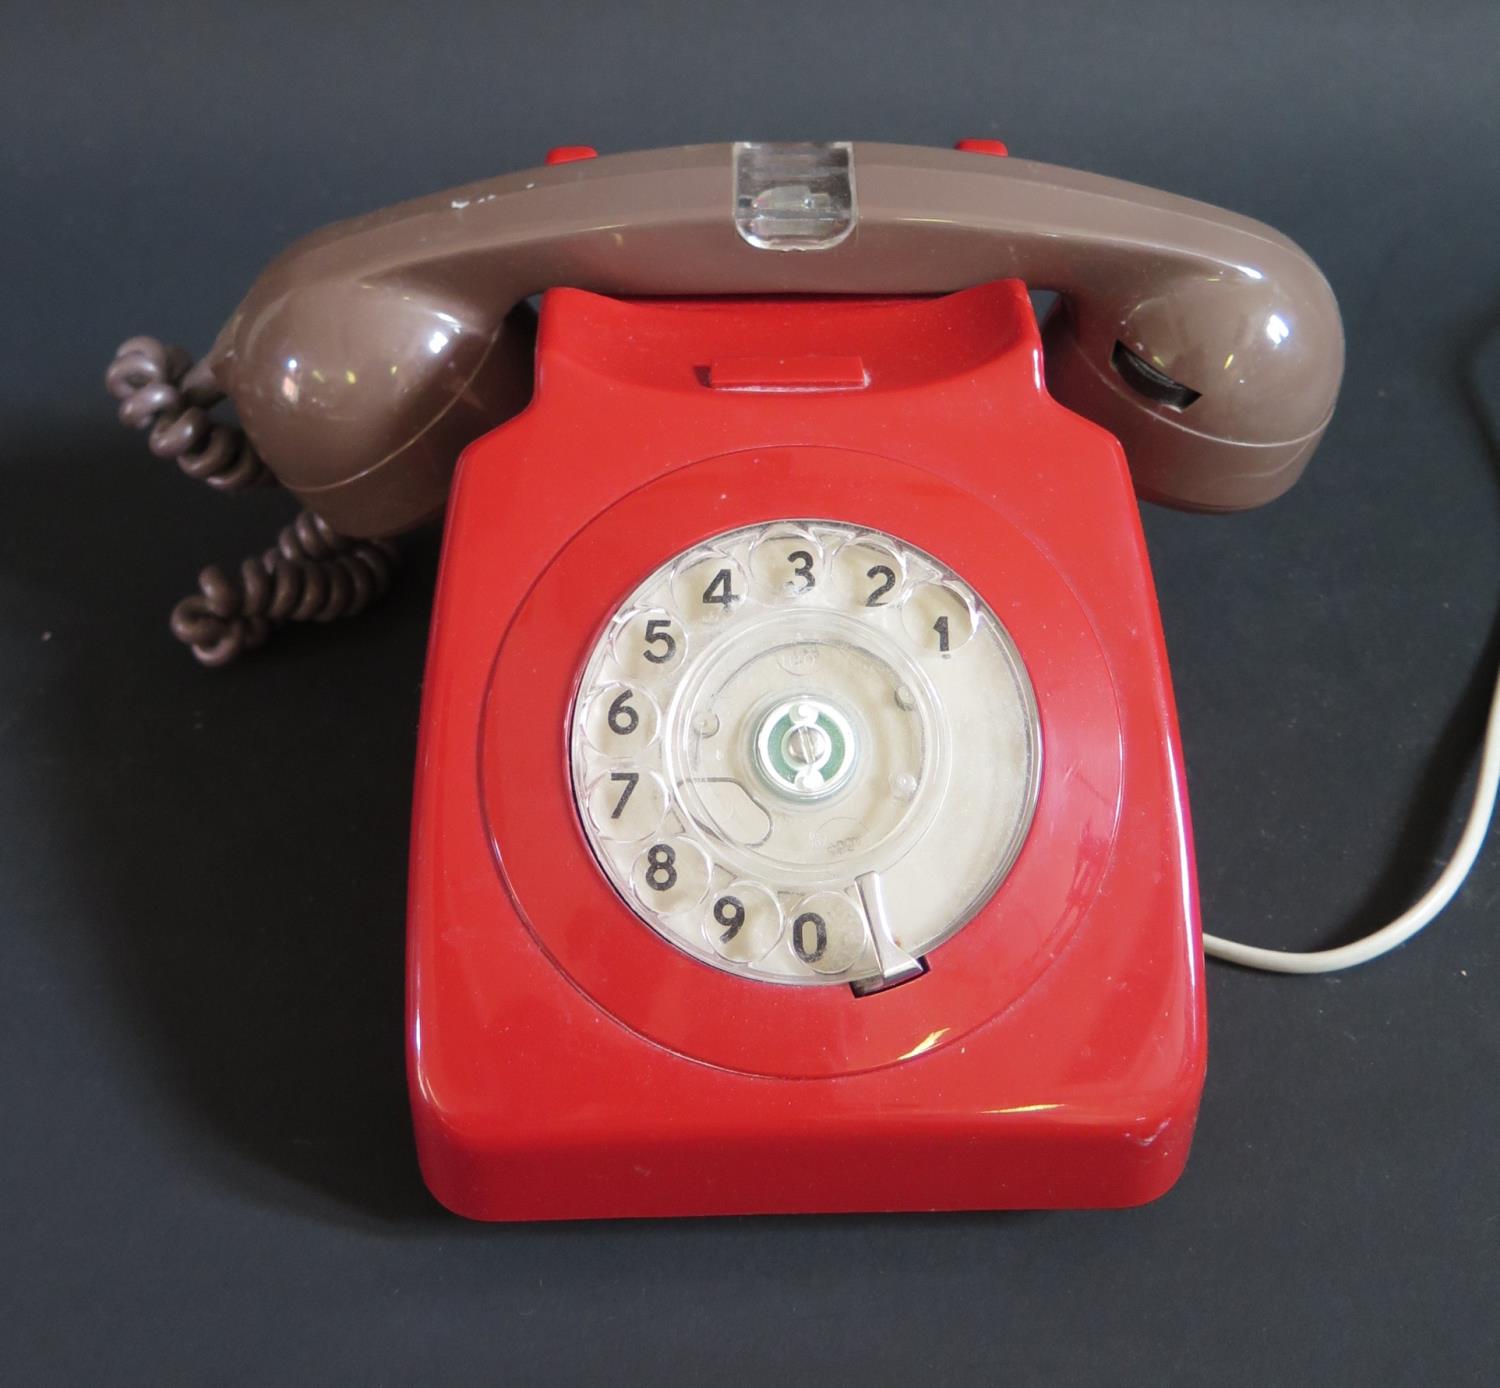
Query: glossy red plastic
point(565, 1062)
point(995, 148)
point(570, 154)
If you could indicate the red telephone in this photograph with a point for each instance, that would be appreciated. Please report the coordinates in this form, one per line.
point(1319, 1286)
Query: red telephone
point(800, 821)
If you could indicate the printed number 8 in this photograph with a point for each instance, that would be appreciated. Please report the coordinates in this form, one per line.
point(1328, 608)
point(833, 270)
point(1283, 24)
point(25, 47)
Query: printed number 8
point(661, 869)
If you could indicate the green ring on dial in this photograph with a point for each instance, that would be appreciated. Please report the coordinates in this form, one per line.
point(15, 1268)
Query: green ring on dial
point(783, 768)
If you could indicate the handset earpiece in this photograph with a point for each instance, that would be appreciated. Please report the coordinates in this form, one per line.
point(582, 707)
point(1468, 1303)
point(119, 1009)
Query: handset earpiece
point(360, 392)
point(1218, 385)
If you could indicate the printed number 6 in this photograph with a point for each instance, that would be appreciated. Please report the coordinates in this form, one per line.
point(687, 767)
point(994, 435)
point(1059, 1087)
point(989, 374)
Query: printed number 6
point(623, 719)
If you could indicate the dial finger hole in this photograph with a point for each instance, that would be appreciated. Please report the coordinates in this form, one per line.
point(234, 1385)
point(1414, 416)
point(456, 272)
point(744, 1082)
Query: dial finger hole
point(627, 805)
point(649, 643)
point(938, 618)
point(868, 573)
point(827, 932)
point(743, 922)
point(708, 586)
point(786, 563)
point(621, 720)
point(670, 875)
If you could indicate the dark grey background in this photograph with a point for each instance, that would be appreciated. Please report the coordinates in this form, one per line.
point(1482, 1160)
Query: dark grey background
point(205, 1169)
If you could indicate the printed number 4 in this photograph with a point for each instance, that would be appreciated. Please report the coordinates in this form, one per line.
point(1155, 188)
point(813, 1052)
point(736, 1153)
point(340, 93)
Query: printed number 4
point(720, 591)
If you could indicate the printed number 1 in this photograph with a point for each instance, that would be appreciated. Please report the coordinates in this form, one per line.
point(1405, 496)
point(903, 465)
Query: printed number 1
point(941, 627)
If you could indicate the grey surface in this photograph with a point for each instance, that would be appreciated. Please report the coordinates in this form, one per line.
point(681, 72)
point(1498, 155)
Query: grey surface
point(205, 1169)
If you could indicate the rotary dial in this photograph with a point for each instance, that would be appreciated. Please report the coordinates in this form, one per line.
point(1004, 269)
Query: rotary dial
point(805, 753)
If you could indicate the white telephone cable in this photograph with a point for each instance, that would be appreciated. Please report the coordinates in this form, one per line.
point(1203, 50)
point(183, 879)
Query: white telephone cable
point(1413, 919)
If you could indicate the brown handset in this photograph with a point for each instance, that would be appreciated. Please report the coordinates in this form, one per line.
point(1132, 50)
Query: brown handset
point(370, 353)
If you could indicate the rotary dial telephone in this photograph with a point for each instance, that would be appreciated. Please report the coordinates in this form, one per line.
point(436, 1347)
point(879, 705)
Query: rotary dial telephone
point(800, 821)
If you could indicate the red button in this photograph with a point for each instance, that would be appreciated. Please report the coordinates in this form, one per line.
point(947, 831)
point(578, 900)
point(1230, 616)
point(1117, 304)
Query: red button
point(567, 154)
point(995, 147)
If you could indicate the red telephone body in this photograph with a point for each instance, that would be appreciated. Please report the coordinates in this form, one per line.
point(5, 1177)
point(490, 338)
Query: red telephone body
point(565, 1061)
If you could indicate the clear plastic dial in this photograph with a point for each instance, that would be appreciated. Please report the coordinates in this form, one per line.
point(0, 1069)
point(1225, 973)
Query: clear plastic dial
point(805, 753)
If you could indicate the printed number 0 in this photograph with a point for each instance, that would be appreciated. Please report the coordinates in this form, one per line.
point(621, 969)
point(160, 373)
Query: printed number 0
point(820, 937)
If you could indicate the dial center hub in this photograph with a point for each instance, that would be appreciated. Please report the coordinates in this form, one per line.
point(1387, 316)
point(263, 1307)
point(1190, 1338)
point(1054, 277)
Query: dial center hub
point(805, 748)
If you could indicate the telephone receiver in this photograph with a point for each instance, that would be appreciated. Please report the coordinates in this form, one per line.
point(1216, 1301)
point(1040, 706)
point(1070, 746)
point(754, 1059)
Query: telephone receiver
point(370, 353)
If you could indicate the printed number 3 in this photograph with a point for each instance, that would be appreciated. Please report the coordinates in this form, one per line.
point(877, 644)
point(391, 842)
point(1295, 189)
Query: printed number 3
point(802, 567)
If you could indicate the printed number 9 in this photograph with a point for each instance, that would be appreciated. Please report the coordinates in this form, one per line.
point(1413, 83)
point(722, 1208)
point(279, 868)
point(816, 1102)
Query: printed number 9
point(729, 911)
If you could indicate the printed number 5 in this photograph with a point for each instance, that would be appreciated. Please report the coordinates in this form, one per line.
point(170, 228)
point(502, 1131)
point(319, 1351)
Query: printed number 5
point(657, 633)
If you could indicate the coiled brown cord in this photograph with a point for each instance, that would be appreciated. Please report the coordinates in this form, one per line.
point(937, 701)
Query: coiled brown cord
point(311, 574)
point(160, 389)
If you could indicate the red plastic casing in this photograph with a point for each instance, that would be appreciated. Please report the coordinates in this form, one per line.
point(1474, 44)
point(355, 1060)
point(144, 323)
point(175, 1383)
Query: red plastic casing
point(565, 1062)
